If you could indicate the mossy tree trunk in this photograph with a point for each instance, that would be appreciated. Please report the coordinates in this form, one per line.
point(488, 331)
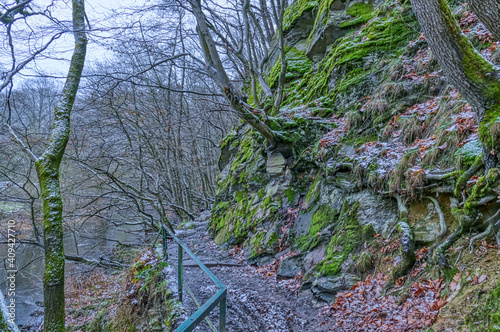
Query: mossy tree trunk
point(488, 12)
point(48, 168)
point(217, 72)
point(476, 78)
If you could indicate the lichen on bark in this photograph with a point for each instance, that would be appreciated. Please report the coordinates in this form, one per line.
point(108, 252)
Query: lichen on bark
point(48, 166)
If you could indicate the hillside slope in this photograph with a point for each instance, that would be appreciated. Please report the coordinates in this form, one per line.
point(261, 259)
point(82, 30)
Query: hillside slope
point(377, 154)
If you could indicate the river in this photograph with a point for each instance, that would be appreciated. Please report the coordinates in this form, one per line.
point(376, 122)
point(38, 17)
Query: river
point(95, 240)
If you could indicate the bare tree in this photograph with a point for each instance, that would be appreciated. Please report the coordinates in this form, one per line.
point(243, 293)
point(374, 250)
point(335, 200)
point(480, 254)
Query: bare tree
point(48, 164)
point(217, 72)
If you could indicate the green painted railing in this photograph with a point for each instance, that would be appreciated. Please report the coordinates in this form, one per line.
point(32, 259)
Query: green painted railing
point(204, 310)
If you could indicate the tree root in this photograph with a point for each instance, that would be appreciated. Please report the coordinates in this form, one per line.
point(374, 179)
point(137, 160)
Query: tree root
point(462, 180)
point(488, 231)
point(480, 236)
point(442, 220)
point(450, 240)
point(407, 247)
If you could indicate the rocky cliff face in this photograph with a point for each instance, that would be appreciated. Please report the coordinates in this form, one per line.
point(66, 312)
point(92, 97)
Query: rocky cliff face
point(368, 118)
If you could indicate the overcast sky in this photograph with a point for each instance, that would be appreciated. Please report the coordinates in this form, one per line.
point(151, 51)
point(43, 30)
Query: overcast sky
point(101, 14)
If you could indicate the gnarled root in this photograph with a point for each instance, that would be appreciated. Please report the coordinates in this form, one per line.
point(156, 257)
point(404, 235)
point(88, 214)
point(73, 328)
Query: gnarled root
point(450, 240)
point(482, 192)
point(407, 247)
point(488, 231)
point(462, 180)
point(442, 220)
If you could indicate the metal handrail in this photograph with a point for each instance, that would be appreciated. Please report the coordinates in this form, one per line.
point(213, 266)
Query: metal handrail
point(218, 299)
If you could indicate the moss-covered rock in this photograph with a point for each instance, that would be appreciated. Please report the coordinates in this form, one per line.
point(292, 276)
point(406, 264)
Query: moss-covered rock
point(298, 64)
point(347, 236)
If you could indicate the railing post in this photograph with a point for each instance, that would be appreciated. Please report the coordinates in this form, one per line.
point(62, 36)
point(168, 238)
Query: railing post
point(179, 271)
point(164, 242)
point(222, 314)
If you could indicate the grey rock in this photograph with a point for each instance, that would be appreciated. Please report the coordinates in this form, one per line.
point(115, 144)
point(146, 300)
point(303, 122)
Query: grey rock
point(377, 211)
point(224, 173)
point(426, 232)
point(313, 257)
point(325, 35)
point(326, 288)
point(261, 260)
point(275, 164)
point(281, 253)
point(346, 182)
point(258, 165)
point(289, 267)
point(298, 34)
point(380, 212)
point(303, 222)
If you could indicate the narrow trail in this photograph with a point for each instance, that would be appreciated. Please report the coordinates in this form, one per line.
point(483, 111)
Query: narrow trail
point(254, 303)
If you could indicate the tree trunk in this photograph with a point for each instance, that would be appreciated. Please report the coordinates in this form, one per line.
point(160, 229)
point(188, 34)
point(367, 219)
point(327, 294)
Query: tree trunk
point(488, 12)
point(281, 79)
point(218, 74)
point(48, 166)
point(475, 77)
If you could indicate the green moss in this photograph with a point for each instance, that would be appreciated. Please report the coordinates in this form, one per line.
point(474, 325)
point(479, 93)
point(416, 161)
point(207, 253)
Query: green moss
point(313, 193)
point(356, 140)
point(364, 261)
point(295, 11)
point(221, 207)
point(149, 295)
point(237, 173)
point(272, 239)
point(345, 239)
point(3, 323)
point(489, 129)
point(382, 36)
point(274, 124)
point(469, 152)
point(230, 138)
point(290, 195)
point(266, 202)
point(323, 14)
point(367, 232)
point(240, 196)
point(487, 315)
point(298, 64)
point(361, 13)
point(256, 243)
point(319, 221)
point(485, 186)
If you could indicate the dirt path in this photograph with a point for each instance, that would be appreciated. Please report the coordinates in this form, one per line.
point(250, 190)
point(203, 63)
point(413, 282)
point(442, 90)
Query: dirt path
point(254, 303)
